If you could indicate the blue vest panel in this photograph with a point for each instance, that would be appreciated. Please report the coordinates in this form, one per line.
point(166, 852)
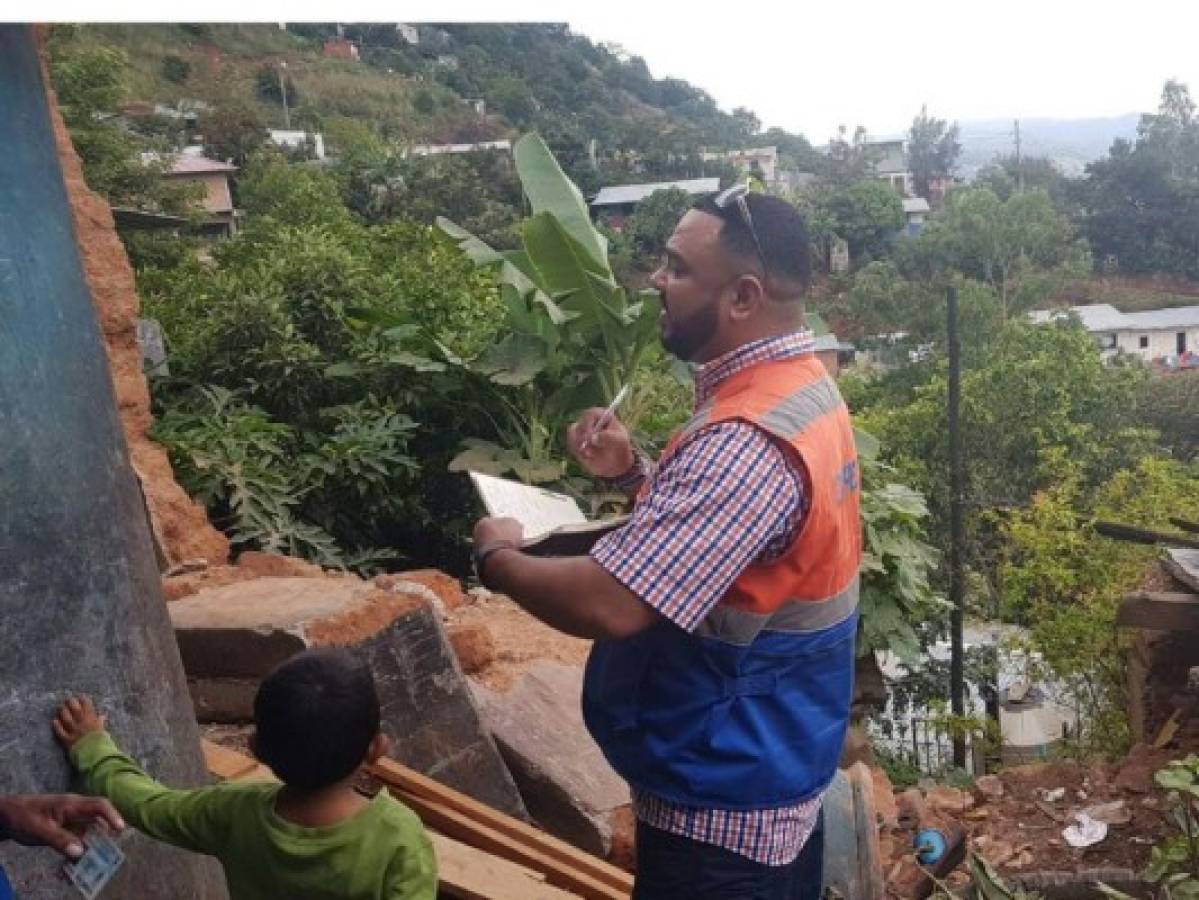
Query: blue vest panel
point(705, 723)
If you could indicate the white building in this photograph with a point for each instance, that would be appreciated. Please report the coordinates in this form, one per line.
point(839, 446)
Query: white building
point(439, 149)
point(915, 209)
point(299, 139)
point(1167, 335)
point(763, 159)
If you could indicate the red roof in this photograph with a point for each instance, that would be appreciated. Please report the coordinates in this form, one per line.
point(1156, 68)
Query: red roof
point(199, 165)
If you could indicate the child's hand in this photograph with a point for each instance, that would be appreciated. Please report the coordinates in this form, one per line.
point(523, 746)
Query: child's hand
point(77, 718)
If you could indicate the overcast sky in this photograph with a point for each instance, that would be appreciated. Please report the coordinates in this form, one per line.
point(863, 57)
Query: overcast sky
point(811, 65)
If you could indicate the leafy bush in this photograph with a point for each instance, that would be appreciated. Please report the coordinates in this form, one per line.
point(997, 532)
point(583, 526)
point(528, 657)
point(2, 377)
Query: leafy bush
point(326, 331)
point(897, 597)
point(1066, 582)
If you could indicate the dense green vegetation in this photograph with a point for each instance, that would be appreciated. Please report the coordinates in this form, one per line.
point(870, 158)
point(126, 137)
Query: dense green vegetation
point(384, 318)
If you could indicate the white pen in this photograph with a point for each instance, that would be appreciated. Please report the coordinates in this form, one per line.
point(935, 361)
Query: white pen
point(606, 416)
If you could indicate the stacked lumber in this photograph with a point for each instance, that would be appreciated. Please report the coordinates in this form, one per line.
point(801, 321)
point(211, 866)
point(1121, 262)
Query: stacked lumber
point(482, 854)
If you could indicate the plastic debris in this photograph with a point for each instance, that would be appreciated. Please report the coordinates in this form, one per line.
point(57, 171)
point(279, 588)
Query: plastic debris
point(1052, 796)
point(1087, 832)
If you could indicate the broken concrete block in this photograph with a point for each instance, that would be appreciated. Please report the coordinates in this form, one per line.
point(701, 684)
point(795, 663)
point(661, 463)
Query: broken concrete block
point(884, 798)
point(446, 588)
point(277, 565)
point(473, 645)
point(568, 786)
point(988, 787)
point(231, 636)
point(910, 807)
point(948, 800)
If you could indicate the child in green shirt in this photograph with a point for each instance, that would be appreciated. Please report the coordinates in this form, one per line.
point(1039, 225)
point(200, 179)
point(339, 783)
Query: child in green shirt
point(312, 837)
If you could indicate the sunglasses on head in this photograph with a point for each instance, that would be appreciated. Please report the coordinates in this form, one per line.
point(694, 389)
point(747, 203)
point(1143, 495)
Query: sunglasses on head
point(735, 196)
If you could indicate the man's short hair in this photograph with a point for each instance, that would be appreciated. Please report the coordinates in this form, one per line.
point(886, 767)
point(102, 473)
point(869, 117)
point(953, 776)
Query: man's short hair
point(315, 716)
point(782, 234)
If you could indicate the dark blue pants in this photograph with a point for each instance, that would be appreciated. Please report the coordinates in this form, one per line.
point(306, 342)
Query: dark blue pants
point(670, 867)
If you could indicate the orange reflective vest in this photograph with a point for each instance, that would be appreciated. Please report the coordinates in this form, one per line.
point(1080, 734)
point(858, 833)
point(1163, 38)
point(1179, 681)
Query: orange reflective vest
point(750, 710)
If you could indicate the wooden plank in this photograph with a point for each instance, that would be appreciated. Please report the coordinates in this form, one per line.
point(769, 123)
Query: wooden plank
point(226, 764)
point(1167, 731)
point(1143, 535)
point(1162, 611)
point(462, 827)
point(471, 874)
point(414, 784)
point(1184, 565)
point(870, 861)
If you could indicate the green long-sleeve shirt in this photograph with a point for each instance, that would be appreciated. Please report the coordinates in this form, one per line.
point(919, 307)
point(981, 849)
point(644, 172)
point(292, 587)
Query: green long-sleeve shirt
point(381, 853)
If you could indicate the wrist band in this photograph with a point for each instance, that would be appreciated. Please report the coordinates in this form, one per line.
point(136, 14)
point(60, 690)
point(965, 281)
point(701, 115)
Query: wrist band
point(484, 551)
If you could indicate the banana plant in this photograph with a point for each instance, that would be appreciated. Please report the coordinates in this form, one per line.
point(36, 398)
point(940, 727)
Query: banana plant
point(571, 335)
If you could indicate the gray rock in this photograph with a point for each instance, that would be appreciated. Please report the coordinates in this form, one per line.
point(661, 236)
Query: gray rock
point(566, 783)
point(231, 636)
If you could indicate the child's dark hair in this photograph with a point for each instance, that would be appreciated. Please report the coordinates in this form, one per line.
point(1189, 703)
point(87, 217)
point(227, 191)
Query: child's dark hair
point(316, 715)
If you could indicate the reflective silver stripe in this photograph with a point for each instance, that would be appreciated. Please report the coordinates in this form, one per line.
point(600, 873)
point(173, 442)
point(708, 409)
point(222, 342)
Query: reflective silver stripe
point(789, 417)
point(797, 411)
point(698, 420)
point(741, 627)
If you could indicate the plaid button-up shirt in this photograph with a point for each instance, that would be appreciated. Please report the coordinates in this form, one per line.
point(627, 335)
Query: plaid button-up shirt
point(728, 497)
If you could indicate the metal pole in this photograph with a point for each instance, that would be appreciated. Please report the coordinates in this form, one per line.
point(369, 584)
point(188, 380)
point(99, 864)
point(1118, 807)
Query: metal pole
point(283, 94)
point(957, 686)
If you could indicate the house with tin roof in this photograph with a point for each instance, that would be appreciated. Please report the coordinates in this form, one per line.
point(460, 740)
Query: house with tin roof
point(1166, 336)
point(617, 203)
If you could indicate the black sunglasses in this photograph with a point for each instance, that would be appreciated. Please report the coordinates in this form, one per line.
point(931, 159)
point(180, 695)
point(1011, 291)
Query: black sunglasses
point(736, 195)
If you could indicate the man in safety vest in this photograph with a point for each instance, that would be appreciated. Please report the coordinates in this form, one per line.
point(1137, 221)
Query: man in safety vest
point(724, 612)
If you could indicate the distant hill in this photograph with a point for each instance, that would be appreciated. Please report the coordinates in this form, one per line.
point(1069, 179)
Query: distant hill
point(457, 83)
point(1071, 143)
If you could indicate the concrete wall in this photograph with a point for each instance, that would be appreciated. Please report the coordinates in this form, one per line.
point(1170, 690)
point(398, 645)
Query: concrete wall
point(79, 591)
point(1161, 343)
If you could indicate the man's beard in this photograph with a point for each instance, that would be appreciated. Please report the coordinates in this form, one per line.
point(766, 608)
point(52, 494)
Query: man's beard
point(684, 337)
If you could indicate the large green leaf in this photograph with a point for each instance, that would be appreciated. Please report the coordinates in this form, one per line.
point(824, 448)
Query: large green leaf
point(480, 253)
point(514, 268)
point(549, 190)
point(515, 360)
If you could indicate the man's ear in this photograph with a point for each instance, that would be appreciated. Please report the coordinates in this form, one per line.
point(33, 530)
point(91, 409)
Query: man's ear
point(748, 295)
point(379, 747)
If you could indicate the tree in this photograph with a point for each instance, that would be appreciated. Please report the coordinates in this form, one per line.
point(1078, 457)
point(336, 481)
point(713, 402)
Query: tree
point(850, 158)
point(1004, 174)
point(176, 69)
point(511, 96)
point(1142, 199)
point(867, 215)
point(1037, 403)
point(933, 151)
point(746, 121)
point(1022, 247)
point(653, 222)
point(271, 82)
point(232, 130)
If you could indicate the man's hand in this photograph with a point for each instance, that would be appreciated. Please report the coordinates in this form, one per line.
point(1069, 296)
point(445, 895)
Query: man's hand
point(55, 820)
point(76, 719)
point(498, 529)
point(607, 454)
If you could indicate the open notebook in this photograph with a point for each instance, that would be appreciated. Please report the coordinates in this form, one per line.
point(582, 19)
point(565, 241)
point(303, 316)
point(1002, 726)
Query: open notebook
point(554, 524)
